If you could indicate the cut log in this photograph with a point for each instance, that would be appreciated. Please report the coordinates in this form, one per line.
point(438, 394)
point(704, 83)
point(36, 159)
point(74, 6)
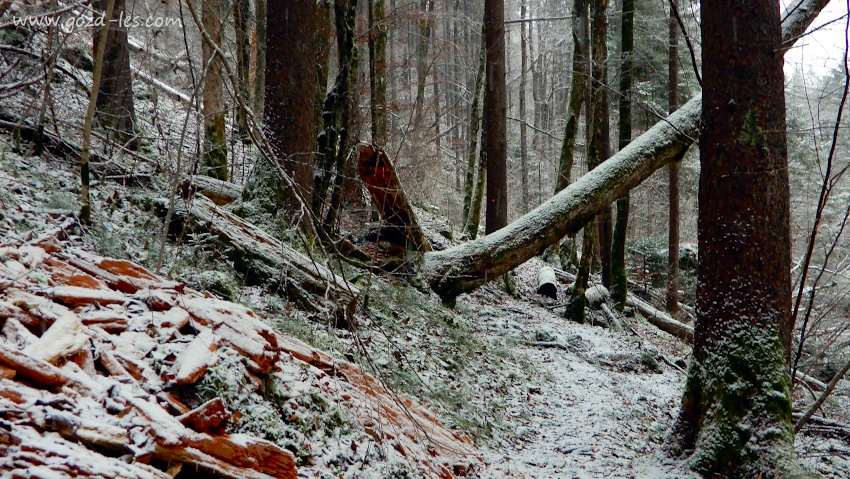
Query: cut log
point(547, 282)
point(193, 362)
point(267, 261)
point(210, 417)
point(388, 196)
point(661, 319)
point(220, 192)
point(596, 296)
point(78, 296)
point(461, 269)
point(30, 368)
point(63, 338)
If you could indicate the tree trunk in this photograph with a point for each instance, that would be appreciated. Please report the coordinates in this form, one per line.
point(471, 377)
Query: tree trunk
point(242, 32)
point(378, 71)
point(672, 296)
point(619, 278)
point(578, 300)
point(115, 108)
point(425, 21)
point(599, 126)
point(215, 138)
point(260, 49)
point(578, 84)
point(463, 268)
point(335, 140)
point(495, 106)
point(736, 410)
point(289, 115)
point(469, 197)
point(523, 144)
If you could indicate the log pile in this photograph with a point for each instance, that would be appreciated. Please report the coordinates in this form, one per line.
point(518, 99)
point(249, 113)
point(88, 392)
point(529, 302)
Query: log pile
point(86, 390)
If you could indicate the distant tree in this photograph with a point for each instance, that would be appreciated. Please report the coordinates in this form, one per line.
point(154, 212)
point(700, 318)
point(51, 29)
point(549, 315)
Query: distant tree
point(115, 108)
point(426, 21)
point(495, 109)
point(735, 419)
point(672, 296)
point(215, 139)
point(525, 204)
point(472, 188)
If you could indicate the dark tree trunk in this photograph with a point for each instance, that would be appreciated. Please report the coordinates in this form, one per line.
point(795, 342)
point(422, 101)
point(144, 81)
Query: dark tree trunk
point(425, 22)
point(736, 410)
point(672, 296)
point(290, 115)
point(578, 86)
point(242, 32)
point(495, 105)
point(378, 71)
point(619, 278)
point(600, 129)
point(215, 139)
point(260, 50)
point(115, 108)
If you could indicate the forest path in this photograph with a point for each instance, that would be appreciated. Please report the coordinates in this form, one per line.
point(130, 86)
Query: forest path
point(601, 406)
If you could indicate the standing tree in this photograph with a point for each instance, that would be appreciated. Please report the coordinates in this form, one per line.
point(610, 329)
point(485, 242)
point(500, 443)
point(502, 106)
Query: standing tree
point(495, 106)
point(290, 114)
point(378, 71)
point(260, 51)
point(242, 33)
point(619, 278)
point(599, 127)
point(215, 141)
point(736, 410)
point(472, 189)
point(672, 296)
point(523, 144)
point(115, 108)
point(425, 19)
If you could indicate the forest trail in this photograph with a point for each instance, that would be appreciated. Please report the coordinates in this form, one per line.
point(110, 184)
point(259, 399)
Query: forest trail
point(603, 402)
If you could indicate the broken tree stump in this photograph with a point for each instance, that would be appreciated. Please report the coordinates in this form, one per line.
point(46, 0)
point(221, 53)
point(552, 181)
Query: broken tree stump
point(388, 196)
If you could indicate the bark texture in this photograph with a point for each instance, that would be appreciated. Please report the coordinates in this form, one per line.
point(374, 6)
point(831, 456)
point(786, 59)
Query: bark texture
point(672, 296)
point(736, 410)
point(495, 106)
point(378, 71)
point(471, 201)
point(215, 139)
point(115, 108)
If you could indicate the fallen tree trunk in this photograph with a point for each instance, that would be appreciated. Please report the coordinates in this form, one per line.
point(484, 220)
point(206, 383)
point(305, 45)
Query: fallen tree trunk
point(219, 191)
point(263, 259)
point(660, 319)
point(461, 269)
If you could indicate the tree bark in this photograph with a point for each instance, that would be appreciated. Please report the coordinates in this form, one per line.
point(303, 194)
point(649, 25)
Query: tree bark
point(115, 107)
point(735, 419)
point(463, 268)
point(672, 296)
point(378, 71)
point(578, 86)
point(425, 22)
point(260, 14)
point(471, 201)
point(523, 143)
point(242, 33)
point(215, 138)
point(619, 277)
point(599, 126)
point(495, 106)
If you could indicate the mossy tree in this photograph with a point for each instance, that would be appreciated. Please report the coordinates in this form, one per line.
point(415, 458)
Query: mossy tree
point(215, 139)
point(115, 109)
point(736, 410)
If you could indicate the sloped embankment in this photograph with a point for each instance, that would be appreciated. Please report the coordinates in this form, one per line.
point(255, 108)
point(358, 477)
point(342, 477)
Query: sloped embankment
point(101, 362)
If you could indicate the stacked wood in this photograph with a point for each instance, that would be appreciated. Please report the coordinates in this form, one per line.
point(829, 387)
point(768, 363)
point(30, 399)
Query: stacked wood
point(264, 260)
point(82, 394)
point(400, 225)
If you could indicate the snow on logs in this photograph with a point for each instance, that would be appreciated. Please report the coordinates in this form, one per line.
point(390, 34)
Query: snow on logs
point(87, 389)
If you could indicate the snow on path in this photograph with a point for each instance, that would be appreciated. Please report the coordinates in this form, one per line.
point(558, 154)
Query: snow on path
point(594, 410)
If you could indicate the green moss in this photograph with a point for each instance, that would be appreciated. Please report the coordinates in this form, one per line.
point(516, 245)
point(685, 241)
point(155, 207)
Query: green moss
point(743, 391)
point(751, 132)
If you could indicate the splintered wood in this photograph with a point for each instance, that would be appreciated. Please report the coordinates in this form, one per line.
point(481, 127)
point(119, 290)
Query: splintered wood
point(82, 393)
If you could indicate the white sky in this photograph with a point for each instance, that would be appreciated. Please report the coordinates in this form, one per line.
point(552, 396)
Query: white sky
point(823, 50)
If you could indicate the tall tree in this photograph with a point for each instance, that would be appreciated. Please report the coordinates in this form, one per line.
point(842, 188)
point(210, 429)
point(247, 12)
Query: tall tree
point(600, 148)
point(260, 50)
point(242, 34)
point(215, 140)
point(473, 189)
point(495, 109)
point(523, 143)
point(115, 108)
point(378, 71)
point(289, 115)
point(672, 296)
point(736, 410)
point(619, 278)
point(426, 8)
